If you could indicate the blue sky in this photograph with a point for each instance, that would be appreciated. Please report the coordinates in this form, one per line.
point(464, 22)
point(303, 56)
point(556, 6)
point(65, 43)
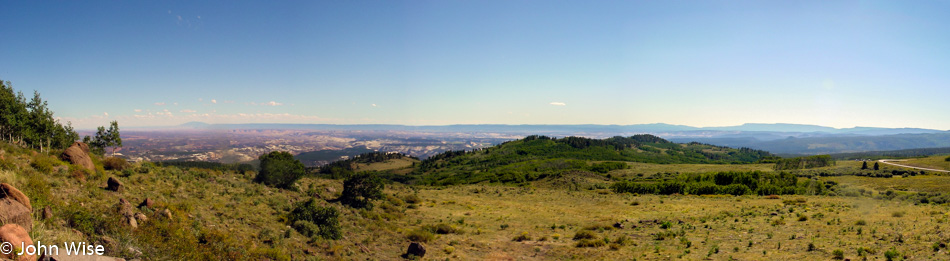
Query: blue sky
point(699, 63)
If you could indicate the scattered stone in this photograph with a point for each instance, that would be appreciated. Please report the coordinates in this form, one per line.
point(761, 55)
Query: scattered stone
point(16, 235)
point(114, 184)
point(124, 208)
point(141, 218)
point(47, 213)
point(78, 154)
point(416, 249)
point(165, 213)
point(147, 203)
point(15, 207)
point(331, 190)
point(618, 225)
point(135, 252)
point(109, 243)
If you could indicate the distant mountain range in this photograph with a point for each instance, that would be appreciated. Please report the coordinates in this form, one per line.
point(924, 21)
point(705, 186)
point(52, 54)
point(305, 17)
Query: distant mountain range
point(578, 128)
point(779, 138)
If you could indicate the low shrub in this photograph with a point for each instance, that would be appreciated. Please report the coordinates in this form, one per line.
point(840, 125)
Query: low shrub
point(892, 254)
point(522, 237)
point(838, 254)
point(317, 220)
point(420, 235)
point(584, 234)
point(591, 243)
point(442, 229)
point(43, 163)
point(114, 163)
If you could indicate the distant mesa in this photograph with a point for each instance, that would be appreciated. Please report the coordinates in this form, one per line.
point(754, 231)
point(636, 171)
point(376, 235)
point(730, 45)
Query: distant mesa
point(195, 125)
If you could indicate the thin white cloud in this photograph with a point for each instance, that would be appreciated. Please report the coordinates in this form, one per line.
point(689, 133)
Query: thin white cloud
point(106, 114)
point(558, 104)
point(214, 101)
point(160, 103)
point(138, 110)
point(188, 111)
point(374, 105)
point(272, 103)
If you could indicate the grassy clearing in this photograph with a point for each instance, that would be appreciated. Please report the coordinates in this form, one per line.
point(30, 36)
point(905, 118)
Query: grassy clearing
point(672, 227)
point(920, 183)
point(933, 162)
point(390, 164)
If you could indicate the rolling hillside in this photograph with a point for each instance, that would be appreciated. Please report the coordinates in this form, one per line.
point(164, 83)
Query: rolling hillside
point(536, 157)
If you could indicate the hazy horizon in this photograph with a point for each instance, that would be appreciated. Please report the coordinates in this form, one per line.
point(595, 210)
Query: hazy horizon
point(702, 64)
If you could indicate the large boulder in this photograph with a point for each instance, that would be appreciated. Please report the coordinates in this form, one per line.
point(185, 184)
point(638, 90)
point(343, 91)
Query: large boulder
point(114, 184)
point(17, 236)
point(15, 207)
point(78, 154)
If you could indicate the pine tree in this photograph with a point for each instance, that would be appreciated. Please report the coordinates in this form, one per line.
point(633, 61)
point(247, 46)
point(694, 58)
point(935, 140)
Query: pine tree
point(876, 167)
point(865, 165)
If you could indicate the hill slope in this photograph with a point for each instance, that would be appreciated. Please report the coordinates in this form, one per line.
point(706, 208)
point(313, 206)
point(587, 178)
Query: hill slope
point(536, 157)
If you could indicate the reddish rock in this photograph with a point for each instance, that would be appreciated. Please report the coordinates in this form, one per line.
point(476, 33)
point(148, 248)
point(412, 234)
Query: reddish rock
point(9, 191)
point(15, 207)
point(147, 203)
point(78, 154)
point(16, 235)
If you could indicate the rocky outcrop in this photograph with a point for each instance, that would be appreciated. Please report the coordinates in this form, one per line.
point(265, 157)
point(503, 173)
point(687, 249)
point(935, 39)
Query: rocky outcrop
point(15, 207)
point(16, 235)
point(78, 154)
point(124, 208)
point(114, 184)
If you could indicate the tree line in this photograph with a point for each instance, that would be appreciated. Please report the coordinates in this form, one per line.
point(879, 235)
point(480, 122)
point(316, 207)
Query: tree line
point(30, 123)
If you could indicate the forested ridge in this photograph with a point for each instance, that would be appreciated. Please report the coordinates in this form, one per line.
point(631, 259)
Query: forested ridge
point(535, 157)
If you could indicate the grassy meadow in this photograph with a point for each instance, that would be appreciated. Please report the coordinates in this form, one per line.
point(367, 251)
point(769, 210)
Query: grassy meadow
point(932, 162)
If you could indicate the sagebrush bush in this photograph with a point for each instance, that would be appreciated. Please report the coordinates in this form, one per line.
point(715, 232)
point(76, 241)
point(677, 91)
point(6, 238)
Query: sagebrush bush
point(591, 243)
point(522, 237)
point(115, 163)
point(584, 234)
point(43, 163)
point(420, 235)
point(442, 228)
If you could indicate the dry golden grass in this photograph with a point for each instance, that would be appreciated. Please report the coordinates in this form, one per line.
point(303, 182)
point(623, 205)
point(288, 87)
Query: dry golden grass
point(492, 216)
point(933, 162)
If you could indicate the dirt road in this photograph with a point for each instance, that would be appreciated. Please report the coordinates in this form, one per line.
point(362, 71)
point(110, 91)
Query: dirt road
point(888, 161)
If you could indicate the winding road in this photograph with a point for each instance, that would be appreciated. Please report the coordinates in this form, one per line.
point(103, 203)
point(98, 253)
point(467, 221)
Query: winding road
point(887, 161)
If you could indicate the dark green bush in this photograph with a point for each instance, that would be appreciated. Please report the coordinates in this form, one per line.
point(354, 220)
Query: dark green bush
point(279, 169)
point(360, 189)
point(318, 221)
